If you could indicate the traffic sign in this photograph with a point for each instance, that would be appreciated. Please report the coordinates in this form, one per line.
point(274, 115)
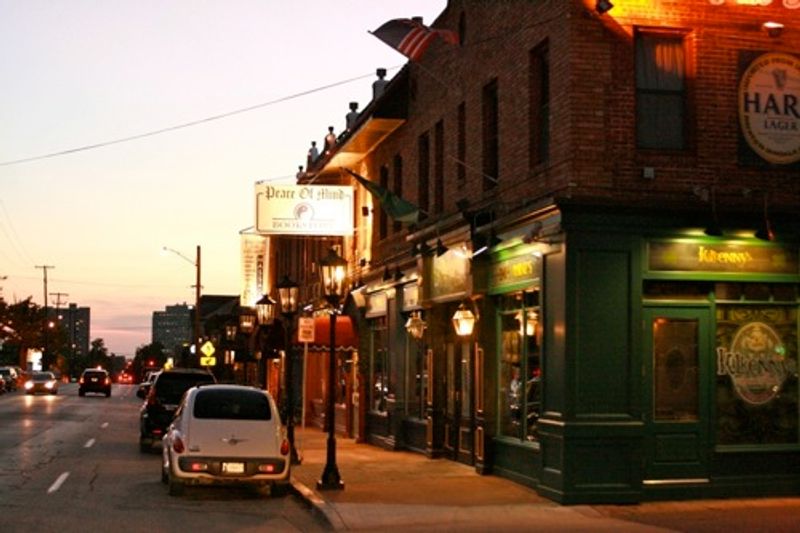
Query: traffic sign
point(305, 329)
point(208, 349)
point(208, 361)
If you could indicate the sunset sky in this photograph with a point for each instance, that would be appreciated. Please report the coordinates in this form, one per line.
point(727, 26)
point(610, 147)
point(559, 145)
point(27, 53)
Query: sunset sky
point(83, 73)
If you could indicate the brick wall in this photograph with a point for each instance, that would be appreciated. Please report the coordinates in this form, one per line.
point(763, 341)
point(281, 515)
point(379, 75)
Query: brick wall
point(592, 148)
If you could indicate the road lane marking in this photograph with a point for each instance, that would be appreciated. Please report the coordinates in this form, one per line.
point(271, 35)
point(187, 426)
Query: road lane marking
point(89, 443)
point(104, 425)
point(57, 485)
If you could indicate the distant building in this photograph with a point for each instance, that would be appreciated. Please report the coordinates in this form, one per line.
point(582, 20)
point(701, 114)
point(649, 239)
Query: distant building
point(173, 326)
point(76, 321)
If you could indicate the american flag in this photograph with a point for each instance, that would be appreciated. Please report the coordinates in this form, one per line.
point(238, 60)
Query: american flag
point(411, 38)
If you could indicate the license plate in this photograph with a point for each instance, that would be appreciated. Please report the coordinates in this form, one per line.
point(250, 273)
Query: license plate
point(233, 468)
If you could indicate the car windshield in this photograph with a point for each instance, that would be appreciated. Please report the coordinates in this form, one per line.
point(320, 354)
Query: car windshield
point(228, 404)
point(43, 376)
point(94, 374)
point(170, 387)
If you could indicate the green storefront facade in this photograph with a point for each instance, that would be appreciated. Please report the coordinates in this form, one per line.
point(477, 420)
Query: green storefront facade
point(629, 357)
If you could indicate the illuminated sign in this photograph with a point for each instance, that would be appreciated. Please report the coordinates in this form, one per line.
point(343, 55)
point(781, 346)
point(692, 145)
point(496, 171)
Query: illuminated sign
point(523, 269)
point(756, 362)
point(769, 107)
point(254, 265)
point(687, 256)
point(304, 209)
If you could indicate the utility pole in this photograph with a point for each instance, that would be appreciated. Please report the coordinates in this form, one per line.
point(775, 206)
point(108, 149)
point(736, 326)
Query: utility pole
point(2, 278)
point(197, 307)
point(45, 356)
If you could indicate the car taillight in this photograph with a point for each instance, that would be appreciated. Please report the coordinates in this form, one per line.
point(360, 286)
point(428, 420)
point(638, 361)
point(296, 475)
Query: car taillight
point(285, 447)
point(81, 380)
point(177, 445)
point(267, 468)
point(108, 381)
point(198, 467)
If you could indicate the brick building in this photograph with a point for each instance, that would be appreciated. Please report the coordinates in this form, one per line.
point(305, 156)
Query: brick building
point(612, 193)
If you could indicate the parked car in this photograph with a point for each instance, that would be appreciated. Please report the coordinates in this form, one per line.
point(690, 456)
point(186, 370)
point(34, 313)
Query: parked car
point(226, 434)
point(9, 377)
point(162, 400)
point(94, 380)
point(44, 382)
point(144, 386)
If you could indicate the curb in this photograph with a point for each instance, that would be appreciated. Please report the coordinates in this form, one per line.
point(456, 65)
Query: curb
point(321, 508)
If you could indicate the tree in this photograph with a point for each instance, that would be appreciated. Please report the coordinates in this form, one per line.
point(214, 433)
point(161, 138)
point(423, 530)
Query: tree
point(98, 354)
point(148, 356)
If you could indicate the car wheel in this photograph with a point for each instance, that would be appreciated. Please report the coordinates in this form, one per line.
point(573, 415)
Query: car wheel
point(81, 393)
point(175, 487)
point(108, 394)
point(164, 476)
point(279, 490)
point(145, 445)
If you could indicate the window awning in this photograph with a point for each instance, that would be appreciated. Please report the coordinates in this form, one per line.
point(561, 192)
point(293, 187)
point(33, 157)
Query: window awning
point(346, 338)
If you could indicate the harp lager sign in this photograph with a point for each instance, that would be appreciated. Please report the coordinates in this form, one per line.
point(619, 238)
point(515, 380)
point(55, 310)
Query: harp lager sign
point(769, 107)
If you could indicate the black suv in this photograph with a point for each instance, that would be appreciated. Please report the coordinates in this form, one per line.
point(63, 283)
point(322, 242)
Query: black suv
point(94, 380)
point(162, 400)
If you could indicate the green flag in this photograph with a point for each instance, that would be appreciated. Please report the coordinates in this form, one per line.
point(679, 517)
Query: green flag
point(394, 206)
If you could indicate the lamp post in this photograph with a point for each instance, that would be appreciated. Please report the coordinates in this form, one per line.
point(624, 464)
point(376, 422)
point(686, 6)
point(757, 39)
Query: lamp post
point(334, 270)
point(288, 292)
point(265, 315)
point(196, 263)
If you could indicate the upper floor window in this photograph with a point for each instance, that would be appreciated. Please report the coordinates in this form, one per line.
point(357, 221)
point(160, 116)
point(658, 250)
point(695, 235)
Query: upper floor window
point(424, 162)
point(660, 91)
point(383, 222)
point(438, 167)
point(491, 139)
point(461, 145)
point(398, 186)
point(539, 104)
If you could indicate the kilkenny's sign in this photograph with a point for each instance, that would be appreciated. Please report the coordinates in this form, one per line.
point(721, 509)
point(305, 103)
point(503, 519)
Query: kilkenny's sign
point(688, 256)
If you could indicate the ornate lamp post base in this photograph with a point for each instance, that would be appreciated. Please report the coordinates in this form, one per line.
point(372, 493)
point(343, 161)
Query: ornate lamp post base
point(331, 480)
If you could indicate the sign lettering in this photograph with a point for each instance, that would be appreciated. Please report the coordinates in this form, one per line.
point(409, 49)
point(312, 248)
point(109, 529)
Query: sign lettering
point(756, 362)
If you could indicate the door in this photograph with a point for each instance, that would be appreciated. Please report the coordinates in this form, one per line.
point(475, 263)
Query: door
point(676, 384)
point(458, 440)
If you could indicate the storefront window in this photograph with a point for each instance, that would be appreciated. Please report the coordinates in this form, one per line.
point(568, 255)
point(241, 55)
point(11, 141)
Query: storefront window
point(520, 365)
point(756, 374)
point(379, 365)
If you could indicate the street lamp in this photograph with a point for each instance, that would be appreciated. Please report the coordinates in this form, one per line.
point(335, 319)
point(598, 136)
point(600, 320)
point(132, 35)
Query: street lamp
point(288, 292)
point(196, 263)
point(265, 315)
point(334, 270)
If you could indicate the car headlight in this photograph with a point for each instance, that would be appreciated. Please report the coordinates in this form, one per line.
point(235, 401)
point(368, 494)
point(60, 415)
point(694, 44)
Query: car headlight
point(29, 384)
point(50, 384)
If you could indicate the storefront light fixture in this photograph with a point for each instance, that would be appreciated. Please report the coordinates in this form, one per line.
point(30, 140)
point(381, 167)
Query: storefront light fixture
point(603, 6)
point(765, 232)
point(464, 321)
point(415, 325)
point(773, 29)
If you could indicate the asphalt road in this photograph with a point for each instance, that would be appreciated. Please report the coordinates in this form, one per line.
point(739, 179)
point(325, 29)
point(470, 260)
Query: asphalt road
point(73, 464)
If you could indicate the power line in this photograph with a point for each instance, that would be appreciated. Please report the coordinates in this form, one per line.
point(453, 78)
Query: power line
point(186, 124)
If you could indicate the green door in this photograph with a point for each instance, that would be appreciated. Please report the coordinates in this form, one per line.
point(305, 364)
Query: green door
point(676, 413)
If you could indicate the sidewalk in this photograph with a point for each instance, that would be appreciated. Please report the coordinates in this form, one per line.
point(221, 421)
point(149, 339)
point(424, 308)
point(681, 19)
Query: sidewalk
point(396, 490)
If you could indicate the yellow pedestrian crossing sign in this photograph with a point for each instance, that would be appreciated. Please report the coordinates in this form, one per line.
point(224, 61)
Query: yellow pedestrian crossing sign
point(208, 350)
